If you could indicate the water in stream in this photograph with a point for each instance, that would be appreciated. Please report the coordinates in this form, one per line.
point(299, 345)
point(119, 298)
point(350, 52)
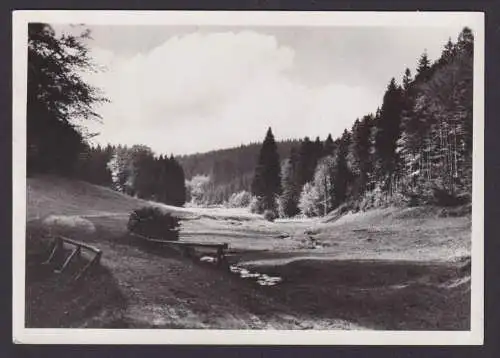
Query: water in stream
point(262, 279)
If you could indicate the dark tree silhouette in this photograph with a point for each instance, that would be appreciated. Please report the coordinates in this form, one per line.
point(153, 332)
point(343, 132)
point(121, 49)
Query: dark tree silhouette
point(58, 97)
point(343, 175)
point(289, 199)
point(267, 182)
point(328, 146)
point(388, 131)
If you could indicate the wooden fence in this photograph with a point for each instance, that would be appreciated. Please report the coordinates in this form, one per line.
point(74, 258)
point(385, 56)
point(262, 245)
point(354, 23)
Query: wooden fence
point(58, 246)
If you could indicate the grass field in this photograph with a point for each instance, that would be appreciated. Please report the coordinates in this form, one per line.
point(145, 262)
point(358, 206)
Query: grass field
point(384, 269)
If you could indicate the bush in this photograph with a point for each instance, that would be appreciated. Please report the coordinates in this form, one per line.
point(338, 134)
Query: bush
point(308, 202)
point(378, 198)
point(154, 223)
point(270, 215)
point(240, 200)
point(442, 197)
point(256, 205)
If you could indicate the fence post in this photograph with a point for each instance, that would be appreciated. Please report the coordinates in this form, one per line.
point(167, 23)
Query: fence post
point(75, 252)
point(57, 246)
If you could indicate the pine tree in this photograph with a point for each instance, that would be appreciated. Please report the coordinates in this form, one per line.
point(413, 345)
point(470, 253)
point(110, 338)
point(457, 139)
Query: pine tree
point(289, 198)
point(448, 52)
point(423, 67)
point(178, 183)
point(388, 132)
point(307, 161)
point(267, 182)
point(318, 151)
point(328, 146)
point(343, 175)
point(437, 125)
point(407, 79)
point(360, 151)
point(465, 43)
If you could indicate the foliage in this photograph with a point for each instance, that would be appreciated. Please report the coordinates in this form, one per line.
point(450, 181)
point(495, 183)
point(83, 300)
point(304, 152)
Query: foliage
point(58, 98)
point(436, 143)
point(324, 185)
point(270, 215)
point(289, 198)
point(256, 205)
point(154, 223)
point(136, 171)
point(309, 200)
point(92, 165)
point(197, 188)
point(240, 200)
point(230, 170)
point(388, 131)
point(379, 198)
point(415, 149)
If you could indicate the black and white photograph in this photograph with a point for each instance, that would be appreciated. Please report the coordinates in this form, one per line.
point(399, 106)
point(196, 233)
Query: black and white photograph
point(253, 177)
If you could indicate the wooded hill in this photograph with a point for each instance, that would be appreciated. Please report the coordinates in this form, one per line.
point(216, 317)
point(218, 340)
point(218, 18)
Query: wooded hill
point(229, 170)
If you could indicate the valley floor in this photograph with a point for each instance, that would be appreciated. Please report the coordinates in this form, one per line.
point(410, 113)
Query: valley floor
point(384, 269)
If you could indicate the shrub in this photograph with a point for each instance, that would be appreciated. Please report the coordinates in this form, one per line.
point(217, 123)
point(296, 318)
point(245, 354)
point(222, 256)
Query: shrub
point(442, 197)
point(380, 198)
point(256, 205)
point(270, 215)
point(308, 202)
point(154, 223)
point(240, 200)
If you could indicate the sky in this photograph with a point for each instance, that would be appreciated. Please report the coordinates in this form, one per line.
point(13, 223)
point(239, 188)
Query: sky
point(188, 89)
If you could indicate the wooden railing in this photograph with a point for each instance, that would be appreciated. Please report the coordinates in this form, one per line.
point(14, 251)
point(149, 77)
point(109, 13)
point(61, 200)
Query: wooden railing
point(58, 246)
point(187, 246)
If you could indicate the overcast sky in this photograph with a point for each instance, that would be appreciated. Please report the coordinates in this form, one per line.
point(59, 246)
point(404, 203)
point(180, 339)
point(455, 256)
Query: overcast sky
point(187, 89)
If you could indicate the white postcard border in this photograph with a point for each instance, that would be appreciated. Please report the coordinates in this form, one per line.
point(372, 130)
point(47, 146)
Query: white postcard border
point(475, 20)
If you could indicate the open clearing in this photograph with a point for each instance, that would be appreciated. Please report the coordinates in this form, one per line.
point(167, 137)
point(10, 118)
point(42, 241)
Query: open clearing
point(384, 269)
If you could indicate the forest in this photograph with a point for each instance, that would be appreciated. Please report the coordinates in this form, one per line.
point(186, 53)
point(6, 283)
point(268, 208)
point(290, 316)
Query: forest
point(415, 148)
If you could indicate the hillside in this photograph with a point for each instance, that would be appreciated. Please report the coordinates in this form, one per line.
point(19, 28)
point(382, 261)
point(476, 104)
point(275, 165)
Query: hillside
point(384, 269)
point(231, 170)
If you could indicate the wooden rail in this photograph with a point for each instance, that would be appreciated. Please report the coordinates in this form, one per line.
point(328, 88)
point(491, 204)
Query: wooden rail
point(58, 244)
point(188, 245)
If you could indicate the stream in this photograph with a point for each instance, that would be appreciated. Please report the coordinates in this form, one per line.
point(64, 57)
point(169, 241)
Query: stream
point(261, 279)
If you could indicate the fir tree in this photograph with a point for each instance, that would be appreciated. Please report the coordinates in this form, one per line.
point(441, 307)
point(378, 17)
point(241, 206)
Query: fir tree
point(407, 79)
point(360, 150)
point(267, 182)
point(328, 146)
point(342, 173)
point(388, 131)
point(289, 198)
point(423, 67)
point(318, 151)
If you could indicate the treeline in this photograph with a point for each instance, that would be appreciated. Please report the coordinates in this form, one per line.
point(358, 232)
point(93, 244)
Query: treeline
point(415, 149)
point(135, 171)
point(216, 175)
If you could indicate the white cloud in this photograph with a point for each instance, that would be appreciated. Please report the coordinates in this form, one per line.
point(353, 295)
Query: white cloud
point(206, 91)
